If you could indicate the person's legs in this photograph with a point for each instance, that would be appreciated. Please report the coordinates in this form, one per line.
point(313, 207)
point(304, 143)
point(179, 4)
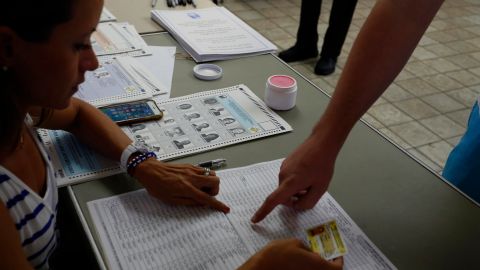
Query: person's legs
point(463, 165)
point(307, 35)
point(338, 25)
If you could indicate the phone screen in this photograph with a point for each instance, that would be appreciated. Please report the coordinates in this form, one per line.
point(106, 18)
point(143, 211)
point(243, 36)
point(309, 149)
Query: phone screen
point(129, 111)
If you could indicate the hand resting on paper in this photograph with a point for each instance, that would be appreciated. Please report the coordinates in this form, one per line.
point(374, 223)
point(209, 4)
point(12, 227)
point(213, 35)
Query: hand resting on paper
point(180, 184)
point(289, 254)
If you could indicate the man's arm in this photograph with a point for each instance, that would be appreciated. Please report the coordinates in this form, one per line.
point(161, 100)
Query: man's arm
point(383, 46)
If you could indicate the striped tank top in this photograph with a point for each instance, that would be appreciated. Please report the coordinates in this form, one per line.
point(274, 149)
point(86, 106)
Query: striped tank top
point(33, 216)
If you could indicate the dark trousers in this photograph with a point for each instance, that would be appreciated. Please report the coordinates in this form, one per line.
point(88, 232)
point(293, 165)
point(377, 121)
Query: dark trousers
point(340, 19)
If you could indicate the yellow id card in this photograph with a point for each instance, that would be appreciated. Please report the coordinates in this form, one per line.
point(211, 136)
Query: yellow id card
point(326, 240)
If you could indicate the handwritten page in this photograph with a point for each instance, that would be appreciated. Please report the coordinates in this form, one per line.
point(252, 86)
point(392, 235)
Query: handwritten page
point(137, 231)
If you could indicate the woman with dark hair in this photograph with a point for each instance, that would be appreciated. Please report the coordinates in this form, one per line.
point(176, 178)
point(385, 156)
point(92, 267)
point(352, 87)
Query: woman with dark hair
point(44, 53)
point(41, 65)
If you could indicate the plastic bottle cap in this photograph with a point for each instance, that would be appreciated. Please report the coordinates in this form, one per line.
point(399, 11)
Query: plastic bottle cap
point(207, 72)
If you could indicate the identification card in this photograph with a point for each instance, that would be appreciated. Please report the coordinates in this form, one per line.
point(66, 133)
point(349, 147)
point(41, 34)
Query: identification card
point(326, 240)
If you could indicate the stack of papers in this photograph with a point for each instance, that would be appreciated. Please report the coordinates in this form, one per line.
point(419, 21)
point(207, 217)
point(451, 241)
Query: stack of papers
point(212, 33)
point(107, 16)
point(119, 80)
point(113, 38)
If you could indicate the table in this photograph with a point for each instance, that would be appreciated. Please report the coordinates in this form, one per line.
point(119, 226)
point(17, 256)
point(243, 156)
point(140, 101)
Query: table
point(138, 12)
point(417, 219)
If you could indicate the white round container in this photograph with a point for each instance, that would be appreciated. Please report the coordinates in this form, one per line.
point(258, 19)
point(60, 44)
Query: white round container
point(281, 92)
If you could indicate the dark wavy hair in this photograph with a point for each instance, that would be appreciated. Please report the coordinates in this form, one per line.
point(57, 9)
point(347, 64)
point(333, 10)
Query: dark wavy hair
point(33, 21)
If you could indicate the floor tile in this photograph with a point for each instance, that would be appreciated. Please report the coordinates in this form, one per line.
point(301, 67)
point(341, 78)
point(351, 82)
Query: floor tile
point(425, 160)
point(464, 60)
point(443, 103)
point(464, 77)
point(388, 114)
point(272, 13)
point(441, 50)
point(442, 82)
point(417, 87)
point(392, 136)
point(414, 134)
point(465, 96)
point(460, 116)
point(437, 152)
point(441, 65)
point(416, 108)
point(396, 93)
point(419, 69)
point(249, 15)
point(442, 126)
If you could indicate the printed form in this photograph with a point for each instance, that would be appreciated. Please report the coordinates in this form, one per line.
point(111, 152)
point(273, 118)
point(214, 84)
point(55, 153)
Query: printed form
point(137, 231)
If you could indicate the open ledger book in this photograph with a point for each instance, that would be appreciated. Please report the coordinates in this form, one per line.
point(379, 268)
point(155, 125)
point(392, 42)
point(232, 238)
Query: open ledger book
point(137, 231)
point(214, 33)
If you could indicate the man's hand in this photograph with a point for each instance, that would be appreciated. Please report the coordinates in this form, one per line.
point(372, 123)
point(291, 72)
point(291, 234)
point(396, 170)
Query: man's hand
point(289, 254)
point(303, 179)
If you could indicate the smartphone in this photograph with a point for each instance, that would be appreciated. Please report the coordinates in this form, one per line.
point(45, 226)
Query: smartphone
point(128, 113)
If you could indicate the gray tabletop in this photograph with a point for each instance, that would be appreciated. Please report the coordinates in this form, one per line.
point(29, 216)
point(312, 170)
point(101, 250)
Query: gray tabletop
point(138, 12)
point(409, 212)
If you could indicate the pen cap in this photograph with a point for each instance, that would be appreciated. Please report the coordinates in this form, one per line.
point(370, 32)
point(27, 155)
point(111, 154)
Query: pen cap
point(281, 92)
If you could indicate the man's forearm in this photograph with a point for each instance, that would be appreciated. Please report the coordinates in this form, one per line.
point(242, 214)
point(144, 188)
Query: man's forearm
point(383, 46)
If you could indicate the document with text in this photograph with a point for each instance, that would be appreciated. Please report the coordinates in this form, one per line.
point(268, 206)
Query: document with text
point(212, 33)
point(137, 231)
point(191, 124)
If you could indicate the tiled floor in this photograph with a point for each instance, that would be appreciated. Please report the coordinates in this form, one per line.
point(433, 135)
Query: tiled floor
point(426, 108)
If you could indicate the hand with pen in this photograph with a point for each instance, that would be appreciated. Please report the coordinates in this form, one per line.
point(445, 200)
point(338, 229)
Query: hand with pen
point(180, 184)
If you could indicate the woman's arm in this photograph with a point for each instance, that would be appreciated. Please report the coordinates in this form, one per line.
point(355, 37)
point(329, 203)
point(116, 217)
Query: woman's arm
point(177, 184)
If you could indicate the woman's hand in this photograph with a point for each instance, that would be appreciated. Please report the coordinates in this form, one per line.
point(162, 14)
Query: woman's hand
point(289, 254)
point(180, 184)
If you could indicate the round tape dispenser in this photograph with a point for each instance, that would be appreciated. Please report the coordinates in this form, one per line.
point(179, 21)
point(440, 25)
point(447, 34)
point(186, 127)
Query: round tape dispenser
point(207, 72)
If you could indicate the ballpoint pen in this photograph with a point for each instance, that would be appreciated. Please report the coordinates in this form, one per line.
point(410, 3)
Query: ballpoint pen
point(154, 3)
point(213, 164)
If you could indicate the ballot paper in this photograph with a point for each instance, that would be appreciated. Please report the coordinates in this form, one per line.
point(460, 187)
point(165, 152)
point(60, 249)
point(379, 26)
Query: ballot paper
point(191, 124)
point(115, 38)
point(212, 33)
point(137, 231)
point(119, 80)
point(107, 16)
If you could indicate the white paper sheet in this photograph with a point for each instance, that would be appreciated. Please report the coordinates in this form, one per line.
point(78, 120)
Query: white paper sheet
point(139, 232)
point(161, 64)
point(212, 33)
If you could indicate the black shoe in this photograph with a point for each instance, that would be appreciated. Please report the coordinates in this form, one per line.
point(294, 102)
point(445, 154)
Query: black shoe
point(296, 53)
point(325, 66)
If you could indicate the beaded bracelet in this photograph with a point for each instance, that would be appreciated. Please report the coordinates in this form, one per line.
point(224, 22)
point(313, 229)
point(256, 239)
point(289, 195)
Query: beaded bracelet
point(139, 159)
